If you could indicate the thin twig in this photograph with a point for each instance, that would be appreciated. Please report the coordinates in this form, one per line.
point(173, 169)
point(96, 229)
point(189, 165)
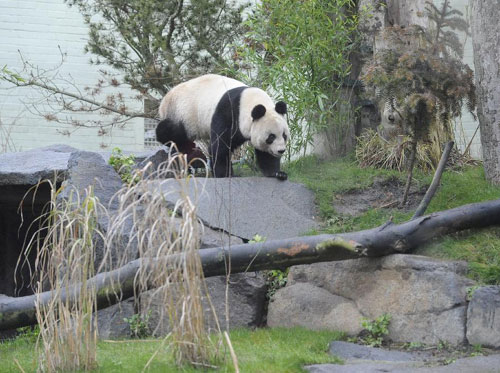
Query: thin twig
point(231, 351)
point(19, 365)
point(435, 181)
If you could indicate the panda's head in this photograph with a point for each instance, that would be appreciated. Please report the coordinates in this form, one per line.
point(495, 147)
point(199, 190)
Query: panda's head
point(269, 131)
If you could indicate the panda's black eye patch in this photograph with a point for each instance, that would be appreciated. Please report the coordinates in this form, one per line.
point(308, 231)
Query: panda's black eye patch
point(284, 136)
point(270, 139)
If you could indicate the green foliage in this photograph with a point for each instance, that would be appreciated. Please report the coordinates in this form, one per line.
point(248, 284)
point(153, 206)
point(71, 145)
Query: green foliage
point(299, 50)
point(276, 279)
point(263, 350)
point(257, 238)
point(139, 325)
point(375, 330)
point(28, 333)
point(123, 164)
point(6, 74)
point(157, 44)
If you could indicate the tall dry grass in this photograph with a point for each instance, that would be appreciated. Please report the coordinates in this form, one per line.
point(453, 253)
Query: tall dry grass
point(65, 247)
point(162, 232)
point(140, 225)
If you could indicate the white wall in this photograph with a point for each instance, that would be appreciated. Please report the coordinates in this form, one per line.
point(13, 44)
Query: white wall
point(468, 123)
point(37, 28)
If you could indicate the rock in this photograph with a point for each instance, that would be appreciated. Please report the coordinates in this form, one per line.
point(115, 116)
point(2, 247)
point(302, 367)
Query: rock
point(158, 157)
point(213, 238)
point(249, 206)
point(351, 351)
point(306, 305)
point(483, 364)
point(28, 168)
point(87, 168)
point(483, 317)
point(110, 323)
point(247, 292)
point(425, 297)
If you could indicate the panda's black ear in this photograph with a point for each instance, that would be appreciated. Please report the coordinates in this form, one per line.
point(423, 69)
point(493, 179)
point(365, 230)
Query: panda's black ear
point(258, 112)
point(280, 108)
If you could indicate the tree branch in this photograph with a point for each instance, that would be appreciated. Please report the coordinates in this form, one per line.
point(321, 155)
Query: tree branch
point(435, 181)
point(388, 239)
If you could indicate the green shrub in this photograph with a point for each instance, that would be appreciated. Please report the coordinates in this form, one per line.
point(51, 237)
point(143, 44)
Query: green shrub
point(375, 330)
point(123, 164)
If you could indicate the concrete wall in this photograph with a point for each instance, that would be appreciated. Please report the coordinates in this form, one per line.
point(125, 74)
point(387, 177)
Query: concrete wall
point(38, 28)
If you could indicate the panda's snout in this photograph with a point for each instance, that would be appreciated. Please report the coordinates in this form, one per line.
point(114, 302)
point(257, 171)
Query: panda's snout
point(281, 151)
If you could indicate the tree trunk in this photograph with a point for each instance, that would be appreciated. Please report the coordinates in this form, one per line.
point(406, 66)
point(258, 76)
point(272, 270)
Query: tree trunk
point(486, 42)
point(384, 240)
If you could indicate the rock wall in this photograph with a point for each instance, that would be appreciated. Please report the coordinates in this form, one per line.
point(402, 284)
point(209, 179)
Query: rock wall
point(486, 43)
point(425, 297)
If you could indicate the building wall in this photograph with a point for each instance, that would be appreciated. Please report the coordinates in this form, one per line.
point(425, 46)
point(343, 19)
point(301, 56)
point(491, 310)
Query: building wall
point(39, 30)
point(467, 125)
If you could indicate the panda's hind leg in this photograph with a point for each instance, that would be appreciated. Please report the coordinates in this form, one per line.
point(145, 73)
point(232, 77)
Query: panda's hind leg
point(170, 131)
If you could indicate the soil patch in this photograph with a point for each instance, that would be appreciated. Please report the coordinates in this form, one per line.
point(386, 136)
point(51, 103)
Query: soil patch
point(383, 193)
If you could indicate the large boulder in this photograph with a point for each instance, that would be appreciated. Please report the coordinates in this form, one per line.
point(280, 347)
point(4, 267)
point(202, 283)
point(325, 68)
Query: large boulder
point(245, 207)
point(30, 167)
point(483, 317)
point(245, 303)
point(425, 297)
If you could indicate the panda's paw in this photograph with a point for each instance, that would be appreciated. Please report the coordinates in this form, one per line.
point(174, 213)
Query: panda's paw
point(280, 175)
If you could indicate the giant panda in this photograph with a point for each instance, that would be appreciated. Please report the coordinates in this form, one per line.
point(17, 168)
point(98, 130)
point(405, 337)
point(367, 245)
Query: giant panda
point(228, 113)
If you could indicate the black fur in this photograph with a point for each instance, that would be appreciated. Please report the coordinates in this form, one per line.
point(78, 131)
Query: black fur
point(269, 165)
point(280, 108)
point(225, 135)
point(258, 112)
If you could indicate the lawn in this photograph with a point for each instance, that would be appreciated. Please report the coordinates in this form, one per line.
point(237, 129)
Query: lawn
point(262, 350)
point(480, 248)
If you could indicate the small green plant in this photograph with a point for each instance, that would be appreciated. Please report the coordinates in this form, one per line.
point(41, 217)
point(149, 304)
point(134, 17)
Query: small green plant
point(276, 279)
point(28, 333)
point(477, 350)
point(443, 346)
point(375, 330)
point(470, 291)
point(123, 164)
point(257, 238)
point(414, 345)
point(139, 325)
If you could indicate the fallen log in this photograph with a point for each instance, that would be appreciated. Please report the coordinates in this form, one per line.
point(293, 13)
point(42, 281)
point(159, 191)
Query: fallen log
point(387, 239)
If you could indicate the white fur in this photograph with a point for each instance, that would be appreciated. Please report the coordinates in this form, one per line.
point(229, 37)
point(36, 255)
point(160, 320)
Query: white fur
point(194, 102)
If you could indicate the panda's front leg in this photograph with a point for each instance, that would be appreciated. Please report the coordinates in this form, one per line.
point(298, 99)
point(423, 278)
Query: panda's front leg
point(220, 158)
point(269, 165)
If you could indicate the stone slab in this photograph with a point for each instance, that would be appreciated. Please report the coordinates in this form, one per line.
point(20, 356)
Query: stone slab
point(477, 364)
point(28, 168)
point(483, 317)
point(249, 206)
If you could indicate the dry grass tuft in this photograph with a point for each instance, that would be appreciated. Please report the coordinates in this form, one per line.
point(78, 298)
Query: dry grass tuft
point(65, 248)
point(374, 151)
point(161, 232)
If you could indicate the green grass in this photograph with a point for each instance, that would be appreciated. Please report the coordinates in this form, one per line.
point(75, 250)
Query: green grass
point(481, 249)
point(262, 350)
